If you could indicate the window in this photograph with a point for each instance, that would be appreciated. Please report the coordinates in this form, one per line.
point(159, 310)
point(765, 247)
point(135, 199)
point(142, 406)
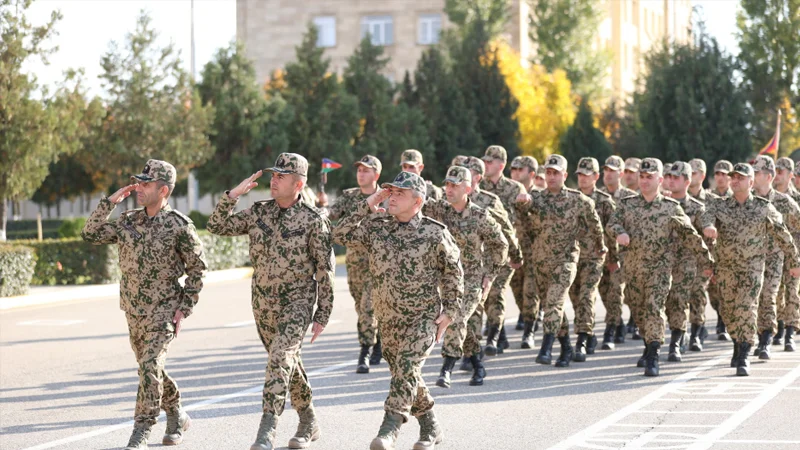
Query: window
point(326, 27)
point(430, 26)
point(379, 28)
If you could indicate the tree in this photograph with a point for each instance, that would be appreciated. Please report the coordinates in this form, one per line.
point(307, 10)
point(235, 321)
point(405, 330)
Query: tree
point(248, 130)
point(493, 14)
point(68, 178)
point(584, 139)
point(563, 32)
point(153, 110)
point(35, 125)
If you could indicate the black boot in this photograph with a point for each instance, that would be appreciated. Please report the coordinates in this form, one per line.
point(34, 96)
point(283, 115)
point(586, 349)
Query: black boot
point(722, 330)
point(619, 335)
point(567, 352)
point(635, 335)
point(447, 370)
point(591, 345)
point(642, 362)
point(377, 353)
point(742, 364)
point(363, 365)
point(491, 341)
point(479, 373)
point(765, 353)
point(735, 357)
point(789, 340)
point(546, 351)
point(760, 345)
point(520, 323)
point(608, 338)
point(651, 367)
point(502, 341)
point(466, 364)
point(527, 336)
point(630, 326)
point(674, 346)
point(695, 344)
point(580, 348)
point(778, 339)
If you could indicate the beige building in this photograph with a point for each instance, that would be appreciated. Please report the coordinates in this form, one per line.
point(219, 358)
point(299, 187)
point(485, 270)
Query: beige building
point(271, 29)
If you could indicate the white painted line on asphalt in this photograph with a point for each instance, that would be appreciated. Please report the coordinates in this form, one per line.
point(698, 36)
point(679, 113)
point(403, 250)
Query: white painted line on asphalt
point(49, 323)
point(193, 406)
point(703, 400)
point(684, 412)
point(241, 324)
point(650, 425)
point(751, 441)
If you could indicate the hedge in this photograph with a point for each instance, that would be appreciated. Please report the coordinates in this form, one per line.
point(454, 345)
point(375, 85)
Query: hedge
point(26, 229)
point(16, 269)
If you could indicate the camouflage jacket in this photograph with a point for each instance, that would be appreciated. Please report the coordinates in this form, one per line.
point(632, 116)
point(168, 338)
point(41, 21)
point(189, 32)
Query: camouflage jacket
point(694, 209)
point(526, 236)
point(432, 191)
point(153, 254)
point(345, 204)
point(494, 206)
point(558, 220)
point(289, 248)
point(604, 205)
point(702, 195)
point(653, 228)
point(727, 194)
point(620, 193)
point(507, 191)
point(476, 233)
point(416, 265)
point(790, 213)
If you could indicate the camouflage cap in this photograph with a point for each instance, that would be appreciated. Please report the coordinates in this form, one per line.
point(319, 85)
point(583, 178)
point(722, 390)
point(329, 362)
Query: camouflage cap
point(633, 164)
point(411, 156)
point(588, 166)
point(698, 165)
point(797, 169)
point(743, 169)
point(557, 162)
point(157, 170)
point(459, 160)
point(540, 172)
point(495, 152)
point(764, 163)
point(680, 168)
point(614, 162)
point(290, 163)
point(650, 165)
point(407, 180)
point(476, 165)
point(371, 162)
point(458, 175)
point(521, 162)
point(723, 166)
point(785, 163)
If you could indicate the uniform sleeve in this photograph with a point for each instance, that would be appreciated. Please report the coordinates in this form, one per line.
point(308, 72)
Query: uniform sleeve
point(494, 243)
point(592, 221)
point(777, 230)
point(501, 217)
point(791, 216)
point(513, 194)
point(190, 250)
point(607, 209)
point(324, 264)
point(615, 227)
point(349, 230)
point(98, 230)
point(692, 240)
point(434, 209)
point(708, 218)
point(452, 281)
point(336, 210)
point(224, 222)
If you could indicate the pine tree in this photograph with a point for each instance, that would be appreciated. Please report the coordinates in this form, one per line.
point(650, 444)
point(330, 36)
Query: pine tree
point(583, 139)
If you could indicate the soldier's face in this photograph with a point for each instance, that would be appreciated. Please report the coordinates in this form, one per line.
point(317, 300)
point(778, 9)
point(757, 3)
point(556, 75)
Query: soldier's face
point(587, 181)
point(762, 179)
point(402, 201)
point(457, 193)
point(366, 176)
point(539, 182)
point(284, 186)
point(697, 179)
point(476, 178)
point(148, 193)
point(722, 181)
point(782, 178)
point(675, 183)
point(494, 167)
point(413, 168)
point(740, 184)
point(631, 179)
point(521, 174)
point(649, 182)
point(554, 179)
point(610, 176)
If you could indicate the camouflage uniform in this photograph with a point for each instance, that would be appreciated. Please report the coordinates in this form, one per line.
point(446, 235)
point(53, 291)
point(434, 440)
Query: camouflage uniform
point(714, 294)
point(700, 293)
point(788, 301)
point(293, 269)
point(417, 275)
point(523, 284)
point(414, 157)
point(154, 252)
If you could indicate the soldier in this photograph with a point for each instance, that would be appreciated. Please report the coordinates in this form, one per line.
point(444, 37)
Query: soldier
point(783, 184)
point(290, 247)
point(417, 292)
point(157, 246)
point(478, 236)
point(459, 160)
point(796, 177)
point(648, 224)
point(584, 292)
point(539, 181)
point(368, 170)
point(722, 179)
point(631, 173)
point(411, 161)
point(702, 288)
point(742, 225)
point(721, 190)
point(507, 190)
point(696, 190)
point(553, 215)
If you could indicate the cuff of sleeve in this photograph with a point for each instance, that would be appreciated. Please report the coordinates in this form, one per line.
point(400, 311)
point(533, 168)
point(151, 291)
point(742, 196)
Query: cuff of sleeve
point(186, 311)
point(321, 319)
point(227, 200)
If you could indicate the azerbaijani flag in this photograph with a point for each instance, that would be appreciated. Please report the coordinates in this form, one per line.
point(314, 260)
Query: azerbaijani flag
point(772, 147)
point(329, 165)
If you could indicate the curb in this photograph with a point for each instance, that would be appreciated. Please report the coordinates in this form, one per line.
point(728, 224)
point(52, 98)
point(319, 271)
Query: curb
point(69, 293)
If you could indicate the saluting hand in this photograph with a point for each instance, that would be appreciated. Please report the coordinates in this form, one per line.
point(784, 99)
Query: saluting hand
point(122, 194)
point(377, 198)
point(245, 186)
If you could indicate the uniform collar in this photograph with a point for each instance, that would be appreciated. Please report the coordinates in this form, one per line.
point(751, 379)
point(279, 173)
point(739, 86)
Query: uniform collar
point(413, 223)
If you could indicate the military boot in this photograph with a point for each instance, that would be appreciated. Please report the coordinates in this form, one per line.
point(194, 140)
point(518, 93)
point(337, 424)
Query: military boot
point(735, 357)
point(265, 439)
point(387, 434)
point(139, 437)
point(430, 432)
point(520, 323)
point(177, 422)
point(651, 365)
point(546, 351)
point(742, 364)
point(675, 346)
point(635, 334)
point(527, 336)
point(608, 338)
point(466, 365)
point(619, 334)
point(363, 355)
point(491, 341)
point(722, 330)
point(591, 344)
point(567, 352)
point(760, 345)
point(446, 372)
point(539, 319)
point(307, 430)
point(789, 340)
point(630, 326)
point(580, 349)
point(377, 353)
point(778, 339)
point(765, 352)
point(694, 340)
point(479, 373)
point(642, 362)
point(502, 341)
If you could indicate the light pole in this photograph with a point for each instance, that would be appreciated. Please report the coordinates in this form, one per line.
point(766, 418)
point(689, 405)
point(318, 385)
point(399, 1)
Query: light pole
point(192, 183)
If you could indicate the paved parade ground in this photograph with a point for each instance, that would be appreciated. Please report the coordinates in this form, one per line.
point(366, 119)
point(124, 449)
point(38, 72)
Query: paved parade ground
point(68, 380)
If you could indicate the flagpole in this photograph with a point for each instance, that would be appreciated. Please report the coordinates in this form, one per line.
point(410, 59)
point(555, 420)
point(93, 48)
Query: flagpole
point(778, 135)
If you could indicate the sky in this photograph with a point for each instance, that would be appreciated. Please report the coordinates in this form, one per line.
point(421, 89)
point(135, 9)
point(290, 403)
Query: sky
point(89, 25)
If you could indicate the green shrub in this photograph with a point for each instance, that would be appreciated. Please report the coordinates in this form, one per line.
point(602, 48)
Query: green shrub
point(71, 228)
point(225, 252)
point(26, 229)
point(16, 269)
point(200, 220)
point(74, 261)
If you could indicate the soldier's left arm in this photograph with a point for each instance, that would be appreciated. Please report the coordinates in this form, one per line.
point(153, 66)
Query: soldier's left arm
point(692, 240)
point(592, 222)
point(780, 234)
point(452, 275)
point(321, 248)
point(514, 251)
point(494, 243)
point(190, 250)
point(615, 225)
point(608, 209)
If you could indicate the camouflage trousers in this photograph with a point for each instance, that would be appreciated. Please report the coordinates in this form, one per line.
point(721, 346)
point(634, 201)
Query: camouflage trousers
point(789, 300)
point(699, 300)
point(523, 285)
point(714, 296)
point(495, 306)
point(282, 323)
point(583, 293)
point(647, 289)
point(460, 339)
point(740, 288)
point(553, 282)
point(406, 345)
point(680, 294)
point(150, 337)
point(611, 288)
point(358, 280)
point(767, 301)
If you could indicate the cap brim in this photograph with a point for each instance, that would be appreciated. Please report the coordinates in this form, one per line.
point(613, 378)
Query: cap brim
point(632, 170)
point(739, 173)
point(585, 171)
point(550, 166)
point(454, 180)
point(726, 172)
point(360, 163)
point(410, 163)
point(142, 177)
point(616, 169)
point(392, 185)
point(650, 171)
point(283, 171)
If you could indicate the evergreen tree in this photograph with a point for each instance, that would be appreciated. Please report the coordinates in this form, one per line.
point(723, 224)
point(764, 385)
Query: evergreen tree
point(583, 139)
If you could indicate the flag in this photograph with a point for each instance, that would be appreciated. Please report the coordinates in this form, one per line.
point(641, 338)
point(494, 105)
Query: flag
point(329, 165)
point(771, 148)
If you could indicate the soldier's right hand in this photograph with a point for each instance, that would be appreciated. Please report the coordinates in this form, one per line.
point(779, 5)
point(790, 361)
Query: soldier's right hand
point(122, 194)
point(710, 232)
point(624, 240)
point(374, 200)
point(523, 199)
point(322, 199)
point(245, 186)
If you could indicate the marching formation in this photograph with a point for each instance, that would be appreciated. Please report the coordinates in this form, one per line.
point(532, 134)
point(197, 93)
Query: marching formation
point(429, 264)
